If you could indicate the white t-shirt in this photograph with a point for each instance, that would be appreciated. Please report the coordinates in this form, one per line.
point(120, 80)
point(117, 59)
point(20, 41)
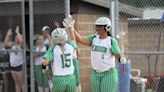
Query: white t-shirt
point(16, 58)
point(39, 60)
point(101, 57)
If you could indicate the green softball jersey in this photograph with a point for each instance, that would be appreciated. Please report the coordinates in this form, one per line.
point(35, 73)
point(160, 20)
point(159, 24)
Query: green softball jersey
point(76, 65)
point(102, 51)
point(61, 64)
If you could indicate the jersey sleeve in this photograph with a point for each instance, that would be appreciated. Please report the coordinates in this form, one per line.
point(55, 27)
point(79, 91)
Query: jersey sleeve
point(76, 71)
point(74, 44)
point(115, 49)
point(49, 54)
point(75, 54)
point(91, 37)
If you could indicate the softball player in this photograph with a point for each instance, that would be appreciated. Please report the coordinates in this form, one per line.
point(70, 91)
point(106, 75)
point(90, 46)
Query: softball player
point(77, 73)
point(41, 78)
point(104, 50)
point(76, 63)
point(76, 70)
point(61, 56)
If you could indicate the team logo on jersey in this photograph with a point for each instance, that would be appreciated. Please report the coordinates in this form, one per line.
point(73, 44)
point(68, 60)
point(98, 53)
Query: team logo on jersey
point(99, 48)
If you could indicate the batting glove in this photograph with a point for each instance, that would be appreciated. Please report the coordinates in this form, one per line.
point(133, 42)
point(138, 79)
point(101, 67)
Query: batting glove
point(44, 69)
point(68, 22)
point(123, 60)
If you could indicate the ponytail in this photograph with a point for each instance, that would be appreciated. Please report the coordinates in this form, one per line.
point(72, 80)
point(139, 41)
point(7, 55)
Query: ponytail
point(109, 33)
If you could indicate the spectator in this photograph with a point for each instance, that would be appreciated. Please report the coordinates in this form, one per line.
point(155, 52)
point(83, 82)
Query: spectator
point(41, 78)
point(16, 58)
point(4, 65)
point(46, 34)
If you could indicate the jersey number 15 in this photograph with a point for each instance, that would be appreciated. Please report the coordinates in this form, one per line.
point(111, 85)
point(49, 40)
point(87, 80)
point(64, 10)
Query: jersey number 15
point(66, 62)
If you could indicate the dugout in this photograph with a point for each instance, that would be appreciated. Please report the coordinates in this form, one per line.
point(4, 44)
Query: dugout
point(145, 44)
point(13, 13)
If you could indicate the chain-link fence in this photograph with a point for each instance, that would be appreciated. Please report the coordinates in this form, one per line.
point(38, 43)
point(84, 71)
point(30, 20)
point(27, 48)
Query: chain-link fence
point(141, 31)
point(12, 46)
point(45, 16)
point(143, 28)
point(17, 45)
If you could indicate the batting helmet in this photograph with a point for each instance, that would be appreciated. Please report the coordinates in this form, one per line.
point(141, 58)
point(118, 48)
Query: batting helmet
point(104, 21)
point(59, 36)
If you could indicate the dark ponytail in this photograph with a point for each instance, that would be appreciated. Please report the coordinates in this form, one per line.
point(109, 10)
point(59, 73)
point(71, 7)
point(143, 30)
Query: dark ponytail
point(109, 33)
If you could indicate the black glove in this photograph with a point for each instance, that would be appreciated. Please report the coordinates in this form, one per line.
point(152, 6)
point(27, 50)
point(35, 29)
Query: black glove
point(43, 67)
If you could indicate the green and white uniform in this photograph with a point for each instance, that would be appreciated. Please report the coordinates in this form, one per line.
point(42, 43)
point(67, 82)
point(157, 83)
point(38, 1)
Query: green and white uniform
point(104, 75)
point(76, 71)
point(41, 78)
point(76, 65)
point(62, 67)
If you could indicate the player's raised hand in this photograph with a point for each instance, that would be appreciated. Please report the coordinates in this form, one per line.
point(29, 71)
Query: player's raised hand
point(68, 22)
point(17, 29)
point(9, 32)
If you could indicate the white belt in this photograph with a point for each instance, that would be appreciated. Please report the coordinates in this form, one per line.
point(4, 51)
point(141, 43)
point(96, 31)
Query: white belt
point(98, 71)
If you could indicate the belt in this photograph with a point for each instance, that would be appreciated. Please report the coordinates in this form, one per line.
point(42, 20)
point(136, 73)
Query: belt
point(103, 71)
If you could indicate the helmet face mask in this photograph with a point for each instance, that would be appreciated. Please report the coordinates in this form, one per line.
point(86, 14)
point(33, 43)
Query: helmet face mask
point(59, 36)
point(104, 21)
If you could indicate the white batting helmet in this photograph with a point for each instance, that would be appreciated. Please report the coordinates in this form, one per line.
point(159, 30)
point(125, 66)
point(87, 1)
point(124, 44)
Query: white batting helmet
point(59, 36)
point(104, 21)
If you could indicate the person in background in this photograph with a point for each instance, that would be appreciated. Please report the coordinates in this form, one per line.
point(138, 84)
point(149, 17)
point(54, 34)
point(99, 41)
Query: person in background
point(41, 78)
point(4, 65)
point(104, 52)
point(16, 58)
point(46, 34)
point(56, 24)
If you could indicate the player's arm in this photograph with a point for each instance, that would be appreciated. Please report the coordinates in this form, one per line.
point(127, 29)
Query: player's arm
point(79, 38)
point(8, 40)
point(50, 40)
point(73, 38)
point(19, 36)
point(115, 49)
point(48, 57)
point(69, 23)
point(38, 54)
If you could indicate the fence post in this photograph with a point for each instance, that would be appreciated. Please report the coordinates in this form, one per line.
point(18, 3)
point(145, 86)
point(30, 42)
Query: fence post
point(32, 81)
point(24, 44)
